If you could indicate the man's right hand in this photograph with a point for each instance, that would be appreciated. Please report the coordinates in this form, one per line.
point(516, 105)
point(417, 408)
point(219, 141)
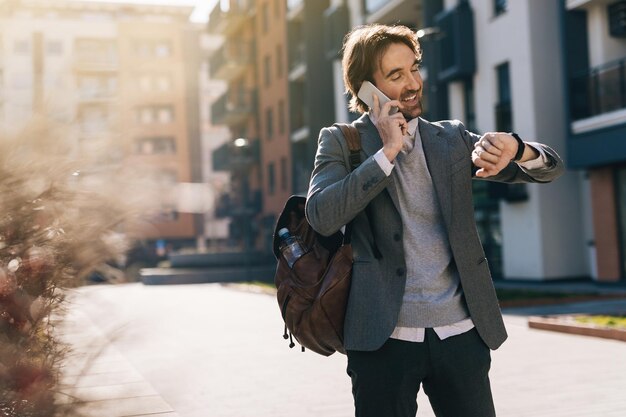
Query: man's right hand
point(391, 128)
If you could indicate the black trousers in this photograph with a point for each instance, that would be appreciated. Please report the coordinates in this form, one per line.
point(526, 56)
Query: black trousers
point(453, 372)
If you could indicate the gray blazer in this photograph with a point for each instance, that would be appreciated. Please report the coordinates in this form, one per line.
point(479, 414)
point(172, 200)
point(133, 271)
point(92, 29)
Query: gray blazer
point(337, 196)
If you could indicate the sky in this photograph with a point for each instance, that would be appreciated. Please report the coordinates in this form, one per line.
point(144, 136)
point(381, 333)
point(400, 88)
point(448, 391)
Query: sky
point(200, 14)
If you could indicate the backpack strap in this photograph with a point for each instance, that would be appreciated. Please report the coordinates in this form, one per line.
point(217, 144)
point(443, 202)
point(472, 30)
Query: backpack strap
point(353, 138)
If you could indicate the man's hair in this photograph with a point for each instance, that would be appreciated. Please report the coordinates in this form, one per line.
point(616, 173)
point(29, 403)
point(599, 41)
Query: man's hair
point(363, 49)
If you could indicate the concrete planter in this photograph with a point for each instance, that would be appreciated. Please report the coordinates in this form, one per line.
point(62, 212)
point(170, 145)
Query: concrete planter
point(567, 324)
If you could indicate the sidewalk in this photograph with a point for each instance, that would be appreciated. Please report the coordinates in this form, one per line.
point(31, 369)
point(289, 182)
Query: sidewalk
point(213, 351)
point(101, 379)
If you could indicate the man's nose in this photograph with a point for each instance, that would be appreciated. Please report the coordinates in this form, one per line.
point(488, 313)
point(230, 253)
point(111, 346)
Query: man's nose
point(415, 82)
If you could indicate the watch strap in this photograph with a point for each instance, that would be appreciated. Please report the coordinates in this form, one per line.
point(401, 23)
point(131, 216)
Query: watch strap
point(520, 147)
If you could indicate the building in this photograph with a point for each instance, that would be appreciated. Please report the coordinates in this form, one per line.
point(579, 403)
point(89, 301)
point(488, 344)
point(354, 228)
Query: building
point(120, 70)
point(594, 55)
point(489, 63)
point(213, 137)
point(311, 107)
point(495, 70)
point(235, 63)
point(273, 112)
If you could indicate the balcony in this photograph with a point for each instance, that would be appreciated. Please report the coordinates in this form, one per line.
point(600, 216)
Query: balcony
point(392, 11)
point(231, 158)
point(231, 61)
point(96, 64)
point(96, 55)
point(234, 109)
point(228, 22)
point(297, 63)
point(96, 95)
point(596, 94)
point(295, 9)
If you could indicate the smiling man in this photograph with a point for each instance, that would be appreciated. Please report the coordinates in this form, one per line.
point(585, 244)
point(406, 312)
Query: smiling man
point(422, 310)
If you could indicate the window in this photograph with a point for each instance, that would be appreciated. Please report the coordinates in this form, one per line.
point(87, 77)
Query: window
point(163, 82)
point(499, 7)
point(155, 114)
point(21, 47)
point(504, 116)
point(283, 174)
point(145, 48)
point(269, 124)
point(93, 119)
point(162, 49)
point(54, 48)
point(279, 61)
point(265, 17)
point(271, 178)
point(165, 114)
point(155, 146)
point(268, 68)
point(281, 117)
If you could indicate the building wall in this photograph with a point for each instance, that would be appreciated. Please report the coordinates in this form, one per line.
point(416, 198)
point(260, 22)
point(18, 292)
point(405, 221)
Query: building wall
point(273, 97)
point(134, 65)
point(605, 223)
point(60, 27)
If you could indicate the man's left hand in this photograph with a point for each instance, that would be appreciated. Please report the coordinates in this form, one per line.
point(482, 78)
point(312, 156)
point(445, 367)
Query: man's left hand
point(493, 152)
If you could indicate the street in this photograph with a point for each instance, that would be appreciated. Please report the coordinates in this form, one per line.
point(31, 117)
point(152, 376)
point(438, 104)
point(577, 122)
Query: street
point(209, 350)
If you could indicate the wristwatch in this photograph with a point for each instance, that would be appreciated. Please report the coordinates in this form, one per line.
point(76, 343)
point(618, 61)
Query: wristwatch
point(520, 147)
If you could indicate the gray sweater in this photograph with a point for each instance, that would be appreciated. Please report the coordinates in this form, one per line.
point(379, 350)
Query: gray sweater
point(433, 295)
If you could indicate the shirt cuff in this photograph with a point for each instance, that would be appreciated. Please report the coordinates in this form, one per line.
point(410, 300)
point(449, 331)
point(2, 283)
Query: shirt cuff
point(540, 162)
point(383, 162)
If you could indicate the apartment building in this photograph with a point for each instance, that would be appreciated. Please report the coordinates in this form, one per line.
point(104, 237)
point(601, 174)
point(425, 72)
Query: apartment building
point(311, 86)
point(111, 70)
point(490, 64)
point(594, 56)
point(273, 111)
point(493, 67)
point(213, 137)
point(235, 63)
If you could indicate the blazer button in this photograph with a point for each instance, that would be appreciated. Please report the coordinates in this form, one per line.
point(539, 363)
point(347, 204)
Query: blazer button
point(400, 272)
point(397, 237)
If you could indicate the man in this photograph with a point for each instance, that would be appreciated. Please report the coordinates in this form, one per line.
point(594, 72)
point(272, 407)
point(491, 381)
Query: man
point(422, 307)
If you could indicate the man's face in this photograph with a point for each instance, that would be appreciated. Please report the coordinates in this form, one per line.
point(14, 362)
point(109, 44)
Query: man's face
point(399, 78)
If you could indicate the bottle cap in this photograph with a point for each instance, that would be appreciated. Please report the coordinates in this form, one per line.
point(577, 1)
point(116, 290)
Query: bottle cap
point(283, 232)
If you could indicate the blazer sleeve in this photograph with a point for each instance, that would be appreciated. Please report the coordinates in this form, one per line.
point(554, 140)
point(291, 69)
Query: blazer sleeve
point(513, 173)
point(335, 194)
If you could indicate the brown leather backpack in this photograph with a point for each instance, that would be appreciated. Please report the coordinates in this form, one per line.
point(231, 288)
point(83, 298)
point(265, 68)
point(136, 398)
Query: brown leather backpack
point(313, 294)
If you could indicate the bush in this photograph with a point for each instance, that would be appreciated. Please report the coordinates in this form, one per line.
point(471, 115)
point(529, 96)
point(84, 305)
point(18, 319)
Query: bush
point(62, 213)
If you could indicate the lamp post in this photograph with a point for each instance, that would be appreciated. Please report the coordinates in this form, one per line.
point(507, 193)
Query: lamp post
point(242, 163)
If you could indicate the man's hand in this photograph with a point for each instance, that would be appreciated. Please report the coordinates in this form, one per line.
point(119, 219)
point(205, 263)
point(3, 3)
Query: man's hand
point(493, 152)
point(390, 127)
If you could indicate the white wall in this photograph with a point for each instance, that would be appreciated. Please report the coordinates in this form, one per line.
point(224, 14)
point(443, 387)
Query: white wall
point(562, 234)
point(603, 48)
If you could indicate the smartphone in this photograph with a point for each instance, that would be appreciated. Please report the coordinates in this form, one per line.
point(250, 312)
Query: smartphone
point(366, 93)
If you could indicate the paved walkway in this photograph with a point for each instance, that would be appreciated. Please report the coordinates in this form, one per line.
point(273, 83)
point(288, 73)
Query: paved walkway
point(207, 350)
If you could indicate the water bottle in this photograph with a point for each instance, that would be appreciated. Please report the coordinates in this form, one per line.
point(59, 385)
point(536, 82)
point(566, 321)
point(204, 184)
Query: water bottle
point(291, 247)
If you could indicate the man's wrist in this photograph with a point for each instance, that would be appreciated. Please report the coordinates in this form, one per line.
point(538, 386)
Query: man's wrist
point(521, 147)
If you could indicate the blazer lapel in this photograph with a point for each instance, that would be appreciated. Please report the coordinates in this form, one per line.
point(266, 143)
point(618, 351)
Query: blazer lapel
point(436, 151)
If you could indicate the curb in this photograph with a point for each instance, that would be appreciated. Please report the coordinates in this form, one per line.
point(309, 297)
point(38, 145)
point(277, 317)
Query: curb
point(565, 325)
